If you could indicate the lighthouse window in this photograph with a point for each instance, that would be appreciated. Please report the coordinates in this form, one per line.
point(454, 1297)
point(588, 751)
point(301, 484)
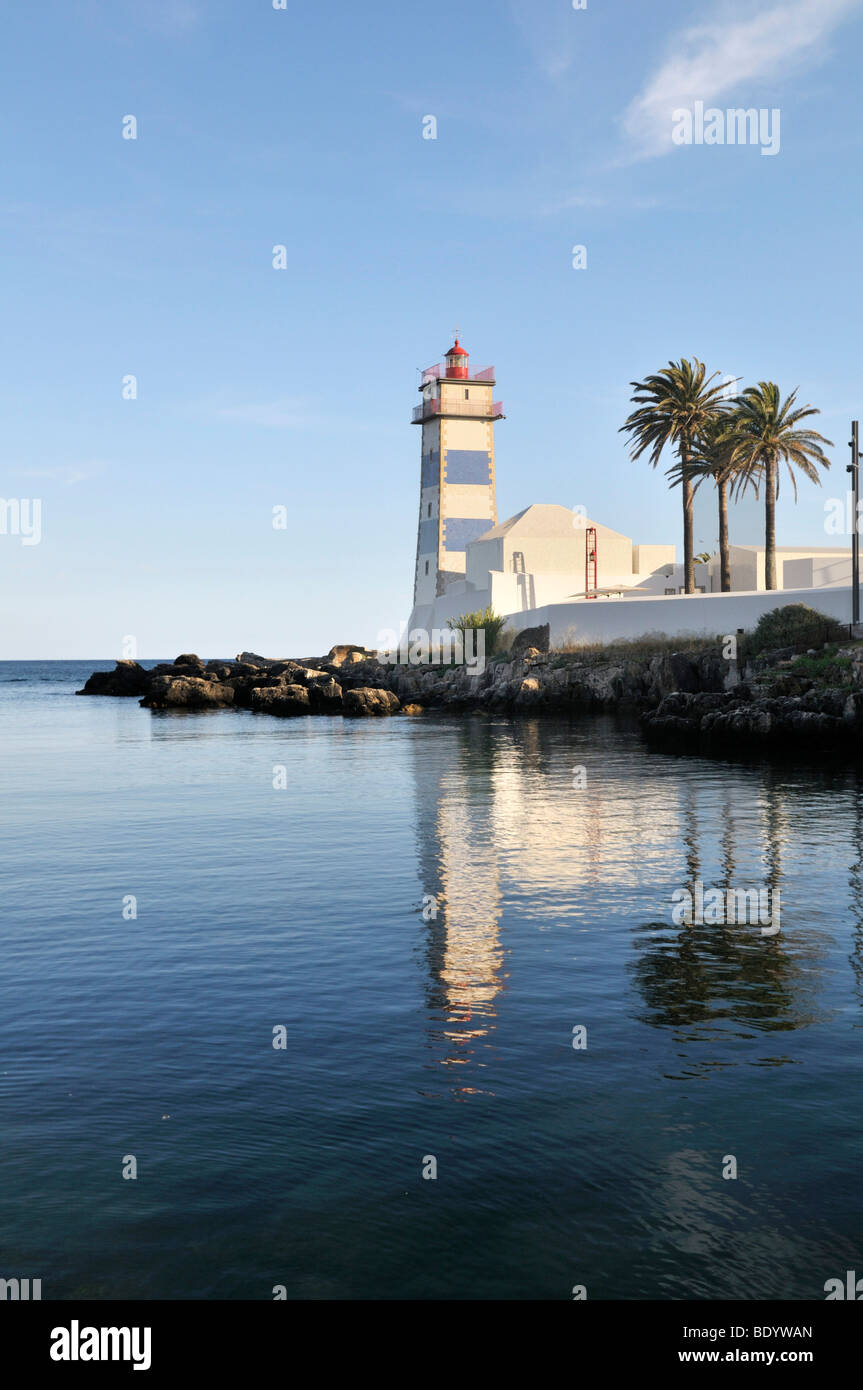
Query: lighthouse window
point(429, 511)
point(466, 394)
point(427, 566)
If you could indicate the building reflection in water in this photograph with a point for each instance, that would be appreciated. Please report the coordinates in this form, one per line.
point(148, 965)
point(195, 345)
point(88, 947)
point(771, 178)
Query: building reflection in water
point(499, 819)
point(500, 825)
point(461, 885)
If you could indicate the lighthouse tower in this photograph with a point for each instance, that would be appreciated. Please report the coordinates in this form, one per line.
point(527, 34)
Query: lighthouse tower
point(457, 498)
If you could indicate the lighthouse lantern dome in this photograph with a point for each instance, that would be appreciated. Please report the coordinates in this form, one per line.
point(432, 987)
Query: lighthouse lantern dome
point(457, 362)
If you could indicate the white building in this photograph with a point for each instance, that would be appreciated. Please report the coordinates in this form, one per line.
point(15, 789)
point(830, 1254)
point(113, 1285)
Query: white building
point(464, 559)
point(548, 558)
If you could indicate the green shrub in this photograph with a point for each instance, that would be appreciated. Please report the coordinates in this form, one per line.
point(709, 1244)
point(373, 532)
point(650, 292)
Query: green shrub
point(491, 623)
point(795, 625)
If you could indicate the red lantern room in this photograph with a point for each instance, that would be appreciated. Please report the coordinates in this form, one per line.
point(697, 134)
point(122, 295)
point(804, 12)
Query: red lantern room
point(456, 362)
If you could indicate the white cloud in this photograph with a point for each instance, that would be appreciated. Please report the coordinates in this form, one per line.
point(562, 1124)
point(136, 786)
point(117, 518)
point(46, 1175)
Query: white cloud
point(67, 473)
point(714, 59)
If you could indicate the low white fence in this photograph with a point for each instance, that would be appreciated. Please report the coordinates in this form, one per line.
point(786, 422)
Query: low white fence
point(678, 615)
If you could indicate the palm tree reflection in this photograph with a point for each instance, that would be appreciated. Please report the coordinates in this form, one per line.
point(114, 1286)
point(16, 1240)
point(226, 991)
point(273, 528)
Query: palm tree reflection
point(727, 981)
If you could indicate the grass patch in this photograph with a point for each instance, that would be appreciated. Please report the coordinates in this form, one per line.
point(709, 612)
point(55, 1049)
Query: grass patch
point(828, 668)
point(639, 648)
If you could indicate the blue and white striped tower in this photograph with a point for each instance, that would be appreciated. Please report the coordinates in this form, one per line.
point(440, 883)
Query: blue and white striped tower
point(457, 494)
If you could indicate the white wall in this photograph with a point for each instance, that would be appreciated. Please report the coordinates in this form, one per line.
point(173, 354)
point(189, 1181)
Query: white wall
point(747, 569)
point(817, 571)
point(657, 582)
point(647, 559)
point(483, 556)
point(704, 615)
point(565, 555)
point(830, 565)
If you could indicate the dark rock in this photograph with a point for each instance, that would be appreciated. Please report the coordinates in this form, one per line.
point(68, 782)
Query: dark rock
point(765, 660)
point(289, 671)
point(684, 673)
point(365, 701)
point(830, 701)
point(325, 695)
point(243, 688)
point(529, 691)
point(283, 700)
point(186, 692)
point(537, 637)
point(681, 695)
point(252, 659)
point(188, 672)
point(127, 678)
point(346, 655)
point(367, 674)
point(742, 724)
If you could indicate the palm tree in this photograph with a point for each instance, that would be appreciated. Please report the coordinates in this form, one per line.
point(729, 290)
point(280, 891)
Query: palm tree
point(764, 435)
point(713, 457)
point(673, 406)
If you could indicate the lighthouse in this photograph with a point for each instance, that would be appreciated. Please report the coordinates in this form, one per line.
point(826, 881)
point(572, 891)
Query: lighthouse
point(457, 497)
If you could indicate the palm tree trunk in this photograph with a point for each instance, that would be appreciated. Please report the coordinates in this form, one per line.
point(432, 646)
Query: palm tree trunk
point(686, 489)
point(770, 525)
point(724, 552)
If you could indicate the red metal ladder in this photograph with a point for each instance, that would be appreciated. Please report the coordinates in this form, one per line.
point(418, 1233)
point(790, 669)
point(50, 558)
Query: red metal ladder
point(591, 573)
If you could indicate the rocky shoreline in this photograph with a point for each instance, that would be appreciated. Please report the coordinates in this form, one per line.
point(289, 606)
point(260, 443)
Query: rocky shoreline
point(684, 698)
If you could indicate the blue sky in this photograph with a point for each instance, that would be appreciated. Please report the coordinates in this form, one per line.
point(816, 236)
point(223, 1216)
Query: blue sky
point(260, 387)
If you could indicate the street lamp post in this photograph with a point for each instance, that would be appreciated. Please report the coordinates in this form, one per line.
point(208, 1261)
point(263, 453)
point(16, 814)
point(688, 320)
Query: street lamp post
point(854, 469)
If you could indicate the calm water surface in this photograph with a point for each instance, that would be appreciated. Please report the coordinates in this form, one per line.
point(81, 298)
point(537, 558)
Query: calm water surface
point(449, 1037)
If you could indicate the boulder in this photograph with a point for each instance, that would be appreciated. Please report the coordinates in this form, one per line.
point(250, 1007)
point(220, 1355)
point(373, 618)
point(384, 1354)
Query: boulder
point(529, 691)
point(411, 709)
point(127, 678)
point(282, 700)
point(365, 702)
point(288, 671)
point(346, 655)
point(188, 659)
point(684, 673)
point(252, 659)
point(529, 637)
point(325, 696)
point(177, 672)
point(187, 692)
point(244, 688)
point(741, 724)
